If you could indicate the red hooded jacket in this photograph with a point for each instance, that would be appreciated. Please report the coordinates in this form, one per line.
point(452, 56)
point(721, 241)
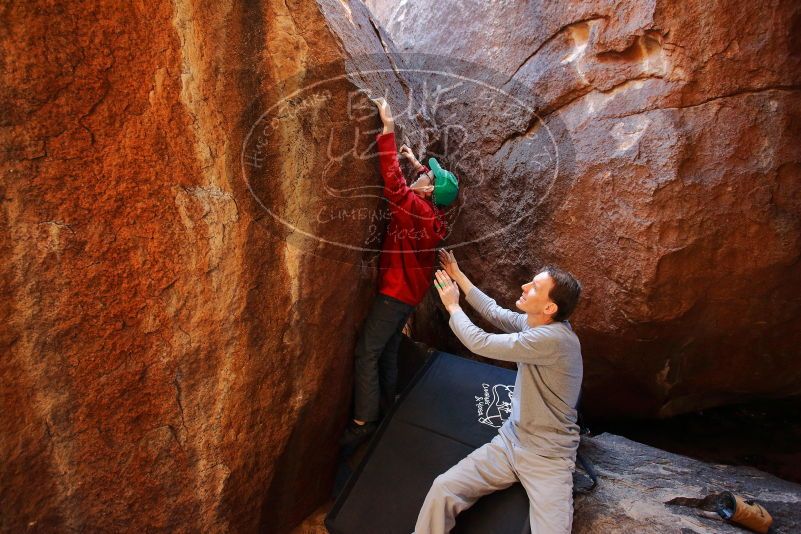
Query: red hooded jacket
point(416, 227)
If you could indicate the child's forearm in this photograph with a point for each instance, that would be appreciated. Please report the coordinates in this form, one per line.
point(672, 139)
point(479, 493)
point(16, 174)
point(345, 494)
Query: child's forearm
point(385, 112)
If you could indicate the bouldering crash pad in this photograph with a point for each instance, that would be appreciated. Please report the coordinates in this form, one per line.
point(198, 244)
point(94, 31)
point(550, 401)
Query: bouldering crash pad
point(453, 406)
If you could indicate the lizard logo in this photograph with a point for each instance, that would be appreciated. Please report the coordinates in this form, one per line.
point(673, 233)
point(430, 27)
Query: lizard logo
point(494, 406)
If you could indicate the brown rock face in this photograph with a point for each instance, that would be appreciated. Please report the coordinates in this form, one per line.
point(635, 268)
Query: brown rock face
point(644, 489)
point(179, 302)
point(190, 217)
point(677, 200)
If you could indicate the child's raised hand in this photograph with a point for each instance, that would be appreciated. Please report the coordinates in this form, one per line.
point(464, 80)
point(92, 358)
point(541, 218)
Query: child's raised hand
point(385, 112)
point(407, 153)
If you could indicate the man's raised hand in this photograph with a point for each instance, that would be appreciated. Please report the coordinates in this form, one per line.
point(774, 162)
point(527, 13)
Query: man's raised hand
point(448, 262)
point(448, 291)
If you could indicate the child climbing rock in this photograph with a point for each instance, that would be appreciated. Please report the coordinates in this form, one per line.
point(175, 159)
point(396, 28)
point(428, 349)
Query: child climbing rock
point(407, 261)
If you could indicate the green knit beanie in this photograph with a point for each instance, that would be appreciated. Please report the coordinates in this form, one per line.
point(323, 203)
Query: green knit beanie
point(446, 185)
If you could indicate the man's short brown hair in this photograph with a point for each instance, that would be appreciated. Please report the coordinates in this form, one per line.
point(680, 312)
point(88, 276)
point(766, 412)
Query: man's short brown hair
point(565, 292)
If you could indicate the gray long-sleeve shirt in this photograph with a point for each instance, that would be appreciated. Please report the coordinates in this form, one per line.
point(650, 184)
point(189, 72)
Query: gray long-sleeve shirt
point(549, 373)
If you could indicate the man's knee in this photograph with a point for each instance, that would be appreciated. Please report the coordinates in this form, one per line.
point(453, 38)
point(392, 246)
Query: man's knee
point(442, 486)
point(440, 483)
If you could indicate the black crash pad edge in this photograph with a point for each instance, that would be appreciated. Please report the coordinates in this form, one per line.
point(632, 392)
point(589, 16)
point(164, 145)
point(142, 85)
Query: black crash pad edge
point(374, 441)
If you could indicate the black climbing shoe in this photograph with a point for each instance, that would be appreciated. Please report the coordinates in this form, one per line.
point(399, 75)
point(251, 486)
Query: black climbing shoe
point(355, 434)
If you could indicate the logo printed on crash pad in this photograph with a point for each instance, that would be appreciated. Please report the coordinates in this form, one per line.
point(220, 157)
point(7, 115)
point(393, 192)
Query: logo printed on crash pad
point(495, 405)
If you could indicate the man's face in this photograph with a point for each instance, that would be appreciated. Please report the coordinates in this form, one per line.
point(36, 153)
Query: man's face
point(424, 185)
point(535, 300)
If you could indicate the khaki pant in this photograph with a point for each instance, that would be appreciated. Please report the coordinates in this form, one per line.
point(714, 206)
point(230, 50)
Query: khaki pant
point(495, 466)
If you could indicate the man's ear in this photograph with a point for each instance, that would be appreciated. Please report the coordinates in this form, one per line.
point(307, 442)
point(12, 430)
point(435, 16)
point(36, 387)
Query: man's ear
point(550, 309)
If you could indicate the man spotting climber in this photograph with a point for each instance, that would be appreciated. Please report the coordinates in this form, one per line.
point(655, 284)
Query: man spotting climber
point(416, 227)
point(537, 444)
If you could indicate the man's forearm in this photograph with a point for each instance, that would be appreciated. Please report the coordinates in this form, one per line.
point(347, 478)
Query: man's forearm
point(464, 283)
point(453, 308)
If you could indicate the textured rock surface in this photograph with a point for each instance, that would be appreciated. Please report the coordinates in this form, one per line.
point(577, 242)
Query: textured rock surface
point(173, 359)
point(182, 277)
point(680, 208)
point(635, 482)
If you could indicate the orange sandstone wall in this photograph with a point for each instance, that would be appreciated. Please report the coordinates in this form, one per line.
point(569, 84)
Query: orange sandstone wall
point(171, 358)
